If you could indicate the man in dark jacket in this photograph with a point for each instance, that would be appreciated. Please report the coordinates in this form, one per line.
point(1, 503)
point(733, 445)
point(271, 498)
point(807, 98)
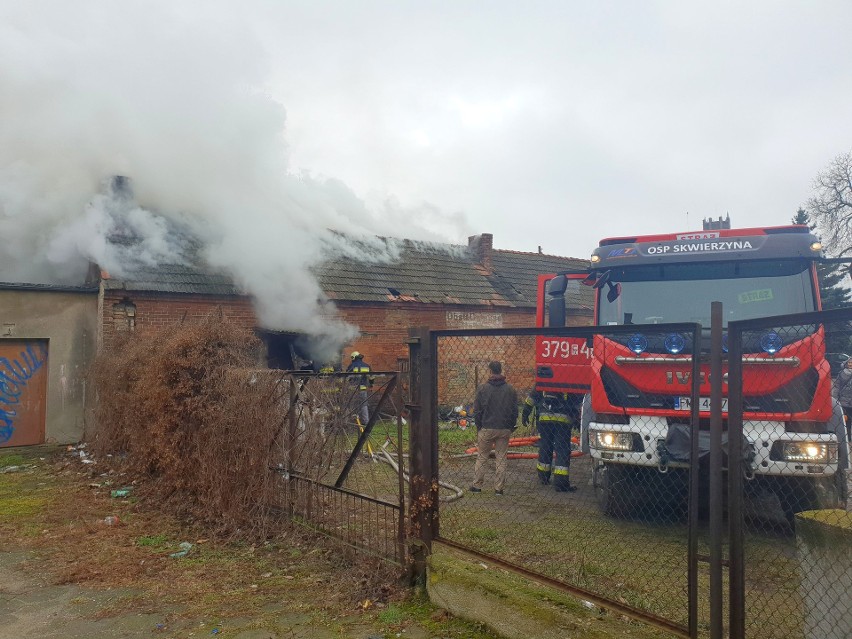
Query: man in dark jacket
point(495, 412)
point(554, 415)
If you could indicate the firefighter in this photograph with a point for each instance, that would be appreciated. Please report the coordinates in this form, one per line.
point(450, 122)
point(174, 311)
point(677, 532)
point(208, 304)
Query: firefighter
point(364, 381)
point(555, 415)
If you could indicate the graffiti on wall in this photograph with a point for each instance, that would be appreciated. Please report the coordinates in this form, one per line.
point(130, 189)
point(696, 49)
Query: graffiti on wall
point(14, 376)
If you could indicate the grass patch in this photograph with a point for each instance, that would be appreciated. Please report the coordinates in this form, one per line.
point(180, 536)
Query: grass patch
point(11, 459)
point(525, 601)
point(23, 496)
point(609, 558)
point(392, 615)
point(154, 541)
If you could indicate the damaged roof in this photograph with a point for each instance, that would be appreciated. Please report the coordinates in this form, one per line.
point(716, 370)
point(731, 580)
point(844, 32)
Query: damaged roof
point(192, 275)
point(426, 273)
point(173, 278)
point(447, 274)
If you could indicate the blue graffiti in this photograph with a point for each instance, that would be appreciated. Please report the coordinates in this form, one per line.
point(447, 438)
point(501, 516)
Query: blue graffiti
point(14, 376)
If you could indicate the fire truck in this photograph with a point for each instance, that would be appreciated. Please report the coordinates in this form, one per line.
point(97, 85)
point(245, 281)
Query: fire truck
point(637, 384)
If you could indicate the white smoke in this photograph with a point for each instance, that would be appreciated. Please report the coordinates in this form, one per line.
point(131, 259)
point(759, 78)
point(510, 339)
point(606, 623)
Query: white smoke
point(175, 99)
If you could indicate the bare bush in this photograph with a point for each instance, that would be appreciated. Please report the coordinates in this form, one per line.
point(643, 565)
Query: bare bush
point(187, 412)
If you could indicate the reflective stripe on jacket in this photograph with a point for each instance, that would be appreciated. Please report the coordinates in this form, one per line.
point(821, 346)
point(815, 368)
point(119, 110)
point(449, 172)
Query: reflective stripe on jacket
point(551, 408)
point(359, 366)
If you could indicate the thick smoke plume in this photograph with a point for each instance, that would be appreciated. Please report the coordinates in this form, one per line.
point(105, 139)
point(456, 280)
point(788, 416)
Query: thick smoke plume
point(178, 104)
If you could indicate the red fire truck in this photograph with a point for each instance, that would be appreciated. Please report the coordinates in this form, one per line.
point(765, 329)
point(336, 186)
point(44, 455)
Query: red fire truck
point(638, 384)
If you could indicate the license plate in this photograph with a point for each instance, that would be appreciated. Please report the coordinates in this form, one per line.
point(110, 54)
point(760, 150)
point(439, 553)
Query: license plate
point(685, 403)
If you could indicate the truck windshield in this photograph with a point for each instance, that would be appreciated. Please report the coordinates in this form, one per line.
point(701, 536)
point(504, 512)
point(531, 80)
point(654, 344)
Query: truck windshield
point(683, 292)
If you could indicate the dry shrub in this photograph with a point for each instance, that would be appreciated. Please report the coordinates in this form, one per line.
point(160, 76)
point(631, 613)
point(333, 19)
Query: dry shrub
point(186, 411)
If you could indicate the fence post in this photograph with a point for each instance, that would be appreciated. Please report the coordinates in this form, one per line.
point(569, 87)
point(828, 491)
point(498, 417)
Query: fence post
point(694, 493)
point(715, 497)
point(736, 571)
point(401, 401)
point(423, 445)
point(292, 429)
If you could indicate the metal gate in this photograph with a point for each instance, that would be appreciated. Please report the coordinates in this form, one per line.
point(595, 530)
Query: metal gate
point(762, 551)
point(339, 476)
point(626, 539)
point(790, 524)
point(23, 391)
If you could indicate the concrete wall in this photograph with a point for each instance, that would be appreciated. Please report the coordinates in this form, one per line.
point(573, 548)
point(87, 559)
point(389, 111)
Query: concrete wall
point(68, 321)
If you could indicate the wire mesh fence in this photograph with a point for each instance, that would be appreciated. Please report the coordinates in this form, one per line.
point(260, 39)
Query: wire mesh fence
point(793, 393)
point(606, 460)
point(591, 494)
point(341, 454)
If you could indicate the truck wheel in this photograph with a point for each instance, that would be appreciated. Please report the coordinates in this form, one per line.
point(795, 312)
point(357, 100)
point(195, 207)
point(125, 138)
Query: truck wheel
point(798, 495)
point(612, 489)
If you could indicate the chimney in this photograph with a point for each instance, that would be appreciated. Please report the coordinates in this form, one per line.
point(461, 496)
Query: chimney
point(482, 245)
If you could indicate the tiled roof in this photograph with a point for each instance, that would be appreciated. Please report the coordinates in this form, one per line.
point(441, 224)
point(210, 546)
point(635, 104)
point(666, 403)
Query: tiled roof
point(174, 278)
point(55, 288)
point(521, 270)
point(191, 276)
point(430, 274)
point(445, 274)
point(422, 273)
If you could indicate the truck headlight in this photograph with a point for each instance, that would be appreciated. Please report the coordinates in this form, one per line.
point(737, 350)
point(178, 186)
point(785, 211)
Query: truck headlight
point(816, 452)
point(609, 440)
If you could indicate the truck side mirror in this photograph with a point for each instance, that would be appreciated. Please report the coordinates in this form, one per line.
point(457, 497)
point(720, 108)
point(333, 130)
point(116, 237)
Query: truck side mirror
point(557, 286)
point(556, 305)
point(613, 292)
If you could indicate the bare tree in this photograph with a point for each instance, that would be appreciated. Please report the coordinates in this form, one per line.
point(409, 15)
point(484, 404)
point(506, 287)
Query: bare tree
point(831, 205)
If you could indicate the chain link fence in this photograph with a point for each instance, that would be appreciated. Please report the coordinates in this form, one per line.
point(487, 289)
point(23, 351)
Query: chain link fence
point(791, 527)
point(590, 497)
point(618, 486)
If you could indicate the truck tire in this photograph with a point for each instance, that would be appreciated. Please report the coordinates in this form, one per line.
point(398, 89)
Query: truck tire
point(644, 493)
point(614, 490)
point(798, 494)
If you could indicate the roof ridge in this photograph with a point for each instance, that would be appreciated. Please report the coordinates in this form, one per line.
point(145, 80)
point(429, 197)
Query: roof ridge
point(560, 257)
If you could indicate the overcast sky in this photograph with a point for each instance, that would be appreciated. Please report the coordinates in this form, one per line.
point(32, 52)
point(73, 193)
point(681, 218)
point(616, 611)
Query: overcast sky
point(559, 123)
point(546, 123)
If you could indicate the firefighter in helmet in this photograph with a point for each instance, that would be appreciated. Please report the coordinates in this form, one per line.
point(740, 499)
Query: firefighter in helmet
point(364, 381)
point(555, 415)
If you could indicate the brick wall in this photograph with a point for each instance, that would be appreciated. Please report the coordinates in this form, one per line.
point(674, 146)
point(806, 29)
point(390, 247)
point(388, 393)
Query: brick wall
point(128, 310)
point(384, 327)
point(383, 331)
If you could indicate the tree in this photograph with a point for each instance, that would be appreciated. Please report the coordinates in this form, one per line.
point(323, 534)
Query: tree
point(831, 206)
point(838, 337)
point(831, 276)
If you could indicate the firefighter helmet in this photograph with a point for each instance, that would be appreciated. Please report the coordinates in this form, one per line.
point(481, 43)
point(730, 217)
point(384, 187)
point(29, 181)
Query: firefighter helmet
point(355, 355)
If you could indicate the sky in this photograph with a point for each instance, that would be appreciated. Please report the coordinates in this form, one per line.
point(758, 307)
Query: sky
point(556, 124)
point(265, 125)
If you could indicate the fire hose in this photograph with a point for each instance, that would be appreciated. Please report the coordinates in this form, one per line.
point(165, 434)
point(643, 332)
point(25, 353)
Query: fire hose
point(385, 456)
point(526, 441)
